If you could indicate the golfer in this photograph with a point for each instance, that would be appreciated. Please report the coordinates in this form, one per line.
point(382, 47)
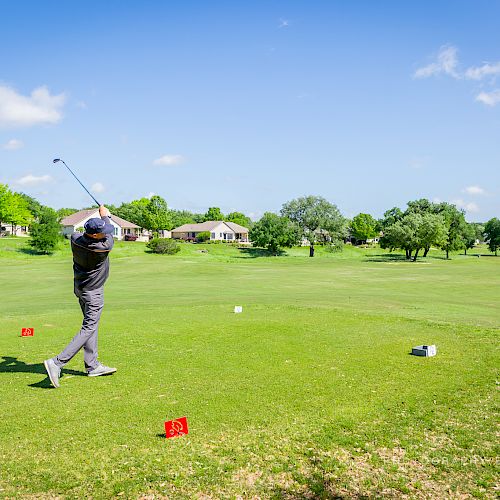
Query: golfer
point(91, 270)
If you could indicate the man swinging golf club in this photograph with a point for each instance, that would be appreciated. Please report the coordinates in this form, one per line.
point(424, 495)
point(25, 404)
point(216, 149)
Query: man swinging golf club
point(91, 270)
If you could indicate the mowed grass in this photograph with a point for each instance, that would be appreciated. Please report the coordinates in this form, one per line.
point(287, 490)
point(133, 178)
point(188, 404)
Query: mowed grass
point(310, 392)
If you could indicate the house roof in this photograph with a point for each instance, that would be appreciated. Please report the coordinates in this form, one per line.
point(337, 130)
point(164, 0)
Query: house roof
point(78, 217)
point(237, 228)
point(208, 226)
point(74, 219)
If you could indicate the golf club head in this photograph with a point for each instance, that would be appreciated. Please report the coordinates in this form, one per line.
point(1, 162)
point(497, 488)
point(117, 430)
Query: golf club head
point(55, 160)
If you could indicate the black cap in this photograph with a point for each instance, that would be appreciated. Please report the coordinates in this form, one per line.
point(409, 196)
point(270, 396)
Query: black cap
point(94, 226)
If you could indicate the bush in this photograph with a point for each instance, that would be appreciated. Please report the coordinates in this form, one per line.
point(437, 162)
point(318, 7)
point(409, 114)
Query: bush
point(203, 236)
point(163, 245)
point(335, 246)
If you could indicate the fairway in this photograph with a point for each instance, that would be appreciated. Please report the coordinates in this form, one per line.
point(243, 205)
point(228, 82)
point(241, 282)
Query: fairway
point(310, 392)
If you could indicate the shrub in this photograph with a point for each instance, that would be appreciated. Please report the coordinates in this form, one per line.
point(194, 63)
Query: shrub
point(203, 236)
point(163, 245)
point(335, 246)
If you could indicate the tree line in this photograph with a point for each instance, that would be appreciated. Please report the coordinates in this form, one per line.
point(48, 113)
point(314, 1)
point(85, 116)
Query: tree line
point(422, 225)
point(310, 219)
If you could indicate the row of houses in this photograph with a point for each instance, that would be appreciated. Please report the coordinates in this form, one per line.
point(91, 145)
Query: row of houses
point(123, 229)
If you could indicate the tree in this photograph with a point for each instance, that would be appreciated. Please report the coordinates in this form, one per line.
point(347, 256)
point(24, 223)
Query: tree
point(274, 233)
point(45, 233)
point(468, 236)
point(390, 217)
point(13, 208)
point(318, 219)
point(432, 232)
point(135, 211)
point(34, 206)
point(240, 219)
point(414, 232)
point(363, 227)
point(455, 222)
point(492, 234)
point(181, 217)
point(213, 213)
point(157, 215)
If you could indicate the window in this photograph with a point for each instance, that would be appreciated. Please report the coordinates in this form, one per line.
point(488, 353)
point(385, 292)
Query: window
point(115, 232)
point(229, 236)
point(212, 236)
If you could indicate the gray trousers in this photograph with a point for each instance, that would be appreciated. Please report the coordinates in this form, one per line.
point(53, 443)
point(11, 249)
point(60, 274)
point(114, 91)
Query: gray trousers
point(91, 302)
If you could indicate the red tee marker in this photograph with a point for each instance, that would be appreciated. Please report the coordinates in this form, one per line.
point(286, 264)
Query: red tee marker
point(177, 427)
point(27, 332)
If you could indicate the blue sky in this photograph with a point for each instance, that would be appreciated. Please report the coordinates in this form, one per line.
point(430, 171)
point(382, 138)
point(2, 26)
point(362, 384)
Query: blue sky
point(245, 105)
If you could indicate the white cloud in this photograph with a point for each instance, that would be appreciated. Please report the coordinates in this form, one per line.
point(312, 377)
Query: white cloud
point(97, 187)
point(446, 63)
point(284, 23)
point(169, 160)
point(489, 98)
point(474, 190)
point(467, 206)
point(40, 107)
point(13, 144)
point(478, 73)
point(33, 180)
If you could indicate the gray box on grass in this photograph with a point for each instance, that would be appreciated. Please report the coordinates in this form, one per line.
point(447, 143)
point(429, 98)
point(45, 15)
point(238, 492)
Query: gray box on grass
point(424, 350)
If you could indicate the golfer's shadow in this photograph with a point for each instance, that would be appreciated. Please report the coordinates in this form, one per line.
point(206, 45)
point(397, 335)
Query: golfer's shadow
point(13, 365)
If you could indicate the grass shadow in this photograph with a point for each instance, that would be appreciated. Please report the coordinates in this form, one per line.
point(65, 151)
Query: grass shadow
point(386, 257)
point(389, 257)
point(253, 253)
point(10, 364)
point(30, 251)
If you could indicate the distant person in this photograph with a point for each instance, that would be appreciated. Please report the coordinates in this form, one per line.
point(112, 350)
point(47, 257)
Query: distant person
point(91, 270)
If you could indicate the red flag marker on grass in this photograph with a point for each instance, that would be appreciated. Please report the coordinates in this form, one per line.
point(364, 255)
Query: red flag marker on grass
point(177, 427)
point(27, 332)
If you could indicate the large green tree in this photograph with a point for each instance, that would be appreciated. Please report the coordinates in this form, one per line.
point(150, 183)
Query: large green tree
point(413, 232)
point(363, 227)
point(318, 219)
point(181, 217)
point(157, 214)
point(214, 213)
point(239, 218)
point(135, 211)
point(274, 233)
point(492, 234)
point(14, 208)
point(45, 233)
point(391, 216)
point(468, 236)
point(455, 224)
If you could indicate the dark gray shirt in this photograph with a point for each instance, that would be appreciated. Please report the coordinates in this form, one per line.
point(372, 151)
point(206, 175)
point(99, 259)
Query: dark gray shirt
point(90, 259)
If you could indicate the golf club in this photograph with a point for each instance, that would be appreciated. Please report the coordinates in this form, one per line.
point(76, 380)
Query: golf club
point(72, 173)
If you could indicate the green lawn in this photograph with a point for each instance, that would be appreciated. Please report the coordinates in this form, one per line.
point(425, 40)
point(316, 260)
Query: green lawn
point(309, 393)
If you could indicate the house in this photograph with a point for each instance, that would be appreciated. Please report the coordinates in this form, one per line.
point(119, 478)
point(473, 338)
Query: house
point(219, 231)
point(8, 229)
point(75, 222)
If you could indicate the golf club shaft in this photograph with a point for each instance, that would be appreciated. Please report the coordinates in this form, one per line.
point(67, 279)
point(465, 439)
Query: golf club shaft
point(91, 195)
